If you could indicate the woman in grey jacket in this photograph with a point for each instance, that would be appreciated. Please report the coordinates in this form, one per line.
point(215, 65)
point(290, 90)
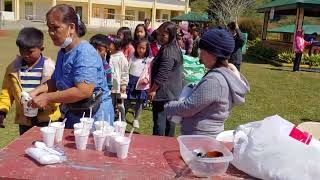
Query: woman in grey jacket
point(211, 100)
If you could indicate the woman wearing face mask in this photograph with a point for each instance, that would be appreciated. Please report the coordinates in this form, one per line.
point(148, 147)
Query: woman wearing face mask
point(78, 82)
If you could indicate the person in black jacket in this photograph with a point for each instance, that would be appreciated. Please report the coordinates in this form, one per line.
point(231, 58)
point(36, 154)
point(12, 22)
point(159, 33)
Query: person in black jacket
point(166, 78)
point(236, 56)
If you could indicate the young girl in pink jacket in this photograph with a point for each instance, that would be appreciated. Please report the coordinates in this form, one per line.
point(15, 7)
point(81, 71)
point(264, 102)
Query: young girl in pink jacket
point(300, 44)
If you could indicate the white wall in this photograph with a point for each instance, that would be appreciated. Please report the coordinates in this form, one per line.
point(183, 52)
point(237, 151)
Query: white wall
point(6, 15)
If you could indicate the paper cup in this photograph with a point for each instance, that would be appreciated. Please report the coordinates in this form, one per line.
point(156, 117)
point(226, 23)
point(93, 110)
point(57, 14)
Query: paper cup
point(110, 141)
point(59, 126)
point(27, 110)
point(120, 127)
point(48, 134)
point(122, 144)
point(100, 124)
point(81, 137)
point(88, 122)
point(99, 138)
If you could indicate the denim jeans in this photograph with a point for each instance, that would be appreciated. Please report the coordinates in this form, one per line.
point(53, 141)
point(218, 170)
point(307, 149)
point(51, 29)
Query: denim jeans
point(296, 63)
point(161, 125)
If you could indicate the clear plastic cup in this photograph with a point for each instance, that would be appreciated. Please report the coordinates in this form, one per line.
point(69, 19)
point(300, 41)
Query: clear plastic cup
point(48, 134)
point(88, 122)
point(110, 141)
point(120, 127)
point(100, 124)
point(59, 126)
point(99, 138)
point(122, 144)
point(81, 137)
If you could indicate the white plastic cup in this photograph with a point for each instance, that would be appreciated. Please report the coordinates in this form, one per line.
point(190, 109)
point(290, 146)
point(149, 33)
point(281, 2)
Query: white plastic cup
point(120, 127)
point(110, 141)
point(48, 134)
point(59, 126)
point(88, 122)
point(81, 137)
point(122, 144)
point(99, 138)
point(27, 110)
point(100, 124)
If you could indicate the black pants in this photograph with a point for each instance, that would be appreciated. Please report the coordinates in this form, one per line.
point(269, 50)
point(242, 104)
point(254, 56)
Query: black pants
point(23, 128)
point(161, 125)
point(296, 63)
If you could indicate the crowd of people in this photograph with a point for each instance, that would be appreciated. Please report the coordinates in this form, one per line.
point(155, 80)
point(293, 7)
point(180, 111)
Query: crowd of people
point(115, 72)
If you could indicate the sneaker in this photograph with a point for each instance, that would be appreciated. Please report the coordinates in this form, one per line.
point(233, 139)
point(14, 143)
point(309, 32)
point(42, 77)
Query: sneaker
point(136, 123)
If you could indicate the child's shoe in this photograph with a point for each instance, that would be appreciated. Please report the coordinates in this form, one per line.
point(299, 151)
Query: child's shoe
point(136, 124)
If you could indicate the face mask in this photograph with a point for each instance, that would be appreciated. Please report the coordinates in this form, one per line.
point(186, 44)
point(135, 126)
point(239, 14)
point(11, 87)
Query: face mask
point(67, 41)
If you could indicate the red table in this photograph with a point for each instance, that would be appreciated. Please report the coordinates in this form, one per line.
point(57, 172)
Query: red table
point(150, 157)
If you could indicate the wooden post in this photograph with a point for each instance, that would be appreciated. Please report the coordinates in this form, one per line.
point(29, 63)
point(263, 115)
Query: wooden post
point(89, 12)
point(299, 24)
point(123, 12)
point(265, 26)
point(154, 14)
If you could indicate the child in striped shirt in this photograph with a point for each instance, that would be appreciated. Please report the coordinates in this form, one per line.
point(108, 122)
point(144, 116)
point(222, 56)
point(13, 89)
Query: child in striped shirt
point(25, 73)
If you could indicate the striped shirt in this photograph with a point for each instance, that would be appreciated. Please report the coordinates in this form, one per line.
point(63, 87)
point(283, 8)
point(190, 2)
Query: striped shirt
point(30, 78)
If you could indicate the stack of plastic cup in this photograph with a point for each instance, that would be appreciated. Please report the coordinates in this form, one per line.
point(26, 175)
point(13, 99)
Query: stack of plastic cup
point(81, 137)
point(101, 124)
point(48, 134)
point(120, 127)
point(59, 126)
point(27, 110)
point(99, 137)
point(122, 146)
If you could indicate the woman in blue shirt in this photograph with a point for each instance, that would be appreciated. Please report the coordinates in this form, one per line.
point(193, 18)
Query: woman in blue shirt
point(79, 73)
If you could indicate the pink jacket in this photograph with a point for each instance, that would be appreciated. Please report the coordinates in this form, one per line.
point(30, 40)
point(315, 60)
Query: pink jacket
point(300, 43)
point(145, 77)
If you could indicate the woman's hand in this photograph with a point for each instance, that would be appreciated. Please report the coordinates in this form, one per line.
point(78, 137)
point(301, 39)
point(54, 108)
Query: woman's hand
point(123, 89)
point(40, 101)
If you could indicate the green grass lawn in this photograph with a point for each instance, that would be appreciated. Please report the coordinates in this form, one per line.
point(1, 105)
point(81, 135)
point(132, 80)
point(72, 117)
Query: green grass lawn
point(294, 96)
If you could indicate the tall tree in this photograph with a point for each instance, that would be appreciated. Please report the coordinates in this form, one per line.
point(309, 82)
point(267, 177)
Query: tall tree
point(224, 11)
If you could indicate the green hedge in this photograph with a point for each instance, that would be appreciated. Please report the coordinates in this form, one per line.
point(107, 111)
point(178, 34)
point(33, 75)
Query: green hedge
point(256, 48)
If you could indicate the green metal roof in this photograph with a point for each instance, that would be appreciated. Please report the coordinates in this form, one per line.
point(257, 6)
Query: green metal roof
point(308, 29)
point(277, 3)
point(192, 16)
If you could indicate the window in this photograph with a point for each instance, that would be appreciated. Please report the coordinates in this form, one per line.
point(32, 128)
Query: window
point(141, 16)
point(130, 15)
point(165, 17)
point(109, 13)
point(95, 12)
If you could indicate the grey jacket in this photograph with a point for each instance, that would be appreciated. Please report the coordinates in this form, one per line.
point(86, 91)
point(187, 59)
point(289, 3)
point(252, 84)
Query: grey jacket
point(210, 102)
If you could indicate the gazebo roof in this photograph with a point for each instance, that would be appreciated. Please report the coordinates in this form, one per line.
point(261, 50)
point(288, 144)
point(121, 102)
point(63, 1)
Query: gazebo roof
point(192, 16)
point(288, 7)
point(308, 29)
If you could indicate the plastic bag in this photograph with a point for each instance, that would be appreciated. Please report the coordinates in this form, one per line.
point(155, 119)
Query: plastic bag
point(193, 71)
point(275, 149)
point(45, 155)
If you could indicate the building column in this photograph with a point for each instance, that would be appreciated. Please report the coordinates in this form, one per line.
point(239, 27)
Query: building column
point(299, 24)
point(186, 10)
point(89, 12)
point(123, 12)
point(1, 5)
point(54, 3)
point(34, 8)
point(265, 26)
point(16, 9)
point(154, 14)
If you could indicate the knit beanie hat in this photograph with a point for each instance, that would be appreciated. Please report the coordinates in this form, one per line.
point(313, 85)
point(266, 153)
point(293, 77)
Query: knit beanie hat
point(218, 42)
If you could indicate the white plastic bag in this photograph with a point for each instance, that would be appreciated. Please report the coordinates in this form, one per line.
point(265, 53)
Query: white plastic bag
point(275, 149)
point(45, 155)
point(186, 92)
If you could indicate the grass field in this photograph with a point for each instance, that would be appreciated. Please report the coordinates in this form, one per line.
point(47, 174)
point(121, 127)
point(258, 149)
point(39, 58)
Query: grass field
point(294, 96)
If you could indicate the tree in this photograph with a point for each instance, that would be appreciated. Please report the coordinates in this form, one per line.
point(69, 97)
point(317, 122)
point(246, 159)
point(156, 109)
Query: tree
point(224, 11)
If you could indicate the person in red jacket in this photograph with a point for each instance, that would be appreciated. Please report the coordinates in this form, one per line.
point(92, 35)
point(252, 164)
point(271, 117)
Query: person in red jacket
point(154, 45)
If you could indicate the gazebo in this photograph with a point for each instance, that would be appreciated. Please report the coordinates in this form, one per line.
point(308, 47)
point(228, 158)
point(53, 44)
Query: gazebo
point(299, 8)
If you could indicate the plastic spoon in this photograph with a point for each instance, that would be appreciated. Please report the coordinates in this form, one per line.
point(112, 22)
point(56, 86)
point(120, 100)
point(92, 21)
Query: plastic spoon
point(43, 146)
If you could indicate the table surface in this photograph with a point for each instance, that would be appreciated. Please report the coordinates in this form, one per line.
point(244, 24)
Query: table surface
point(150, 157)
